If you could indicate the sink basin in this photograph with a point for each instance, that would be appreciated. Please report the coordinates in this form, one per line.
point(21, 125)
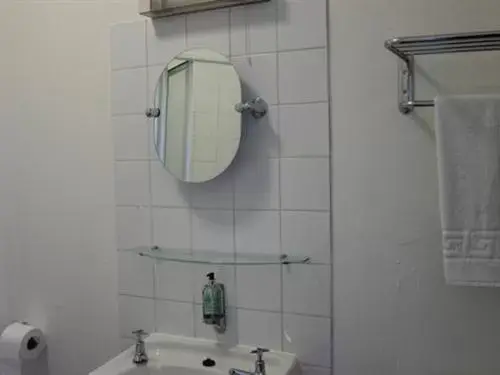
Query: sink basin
point(176, 355)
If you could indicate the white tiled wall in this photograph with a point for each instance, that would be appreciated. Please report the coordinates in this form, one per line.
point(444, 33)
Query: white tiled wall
point(274, 199)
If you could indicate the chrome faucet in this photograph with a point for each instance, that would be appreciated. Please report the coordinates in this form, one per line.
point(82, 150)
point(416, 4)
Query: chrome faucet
point(260, 364)
point(140, 355)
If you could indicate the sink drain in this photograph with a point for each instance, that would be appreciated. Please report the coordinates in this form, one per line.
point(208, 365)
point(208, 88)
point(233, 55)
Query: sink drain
point(208, 362)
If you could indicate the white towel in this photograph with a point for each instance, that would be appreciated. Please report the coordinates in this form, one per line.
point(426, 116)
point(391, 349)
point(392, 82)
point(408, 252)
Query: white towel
point(468, 150)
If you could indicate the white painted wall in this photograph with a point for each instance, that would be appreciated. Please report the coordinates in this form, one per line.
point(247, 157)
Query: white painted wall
point(57, 258)
point(393, 312)
point(6, 148)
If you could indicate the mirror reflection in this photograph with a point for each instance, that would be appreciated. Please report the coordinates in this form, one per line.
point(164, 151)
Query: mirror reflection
point(197, 130)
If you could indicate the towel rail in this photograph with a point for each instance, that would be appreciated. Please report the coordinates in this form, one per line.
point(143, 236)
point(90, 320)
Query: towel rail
point(408, 47)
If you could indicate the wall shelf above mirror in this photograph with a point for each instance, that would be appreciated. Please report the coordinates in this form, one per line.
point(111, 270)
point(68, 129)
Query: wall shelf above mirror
point(215, 257)
point(166, 8)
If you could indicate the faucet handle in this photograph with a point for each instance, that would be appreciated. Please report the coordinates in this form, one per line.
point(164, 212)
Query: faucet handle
point(260, 364)
point(140, 334)
point(259, 352)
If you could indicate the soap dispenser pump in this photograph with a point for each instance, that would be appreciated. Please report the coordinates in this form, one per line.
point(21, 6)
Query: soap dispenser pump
point(214, 304)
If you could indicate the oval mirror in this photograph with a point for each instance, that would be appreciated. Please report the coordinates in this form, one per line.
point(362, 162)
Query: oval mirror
point(197, 129)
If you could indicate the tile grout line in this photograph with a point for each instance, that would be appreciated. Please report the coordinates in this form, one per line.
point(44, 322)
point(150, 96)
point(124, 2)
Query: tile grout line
point(190, 208)
point(305, 156)
point(233, 193)
point(199, 304)
point(283, 51)
point(224, 209)
point(258, 54)
point(278, 125)
point(150, 184)
point(308, 157)
point(235, 248)
point(185, 31)
point(233, 197)
point(330, 144)
point(274, 105)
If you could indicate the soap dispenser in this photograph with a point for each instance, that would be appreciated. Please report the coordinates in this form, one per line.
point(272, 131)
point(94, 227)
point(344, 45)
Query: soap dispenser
point(214, 304)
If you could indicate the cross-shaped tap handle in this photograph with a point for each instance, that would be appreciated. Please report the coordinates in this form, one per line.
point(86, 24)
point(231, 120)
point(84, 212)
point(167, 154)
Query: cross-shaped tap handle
point(140, 334)
point(259, 352)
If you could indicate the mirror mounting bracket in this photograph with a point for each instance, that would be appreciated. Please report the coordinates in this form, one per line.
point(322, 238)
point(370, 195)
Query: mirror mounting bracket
point(257, 107)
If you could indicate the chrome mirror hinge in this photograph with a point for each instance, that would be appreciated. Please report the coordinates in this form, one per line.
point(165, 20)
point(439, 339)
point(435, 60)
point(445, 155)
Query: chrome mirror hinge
point(153, 112)
point(257, 107)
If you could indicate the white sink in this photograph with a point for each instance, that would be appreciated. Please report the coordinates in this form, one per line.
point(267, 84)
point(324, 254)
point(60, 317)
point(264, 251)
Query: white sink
point(175, 355)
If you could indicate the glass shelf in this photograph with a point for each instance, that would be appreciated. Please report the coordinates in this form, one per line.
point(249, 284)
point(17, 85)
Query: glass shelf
point(215, 257)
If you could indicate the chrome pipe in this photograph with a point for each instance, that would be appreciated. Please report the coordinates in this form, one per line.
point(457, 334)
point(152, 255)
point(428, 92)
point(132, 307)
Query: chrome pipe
point(446, 38)
point(481, 38)
point(431, 50)
point(408, 107)
point(407, 46)
point(423, 103)
point(476, 41)
point(390, 45)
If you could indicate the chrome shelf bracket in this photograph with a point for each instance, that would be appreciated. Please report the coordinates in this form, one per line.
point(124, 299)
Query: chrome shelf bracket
point(406, 78)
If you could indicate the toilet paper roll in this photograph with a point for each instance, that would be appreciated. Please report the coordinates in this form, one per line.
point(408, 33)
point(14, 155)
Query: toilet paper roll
point(20, 341)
